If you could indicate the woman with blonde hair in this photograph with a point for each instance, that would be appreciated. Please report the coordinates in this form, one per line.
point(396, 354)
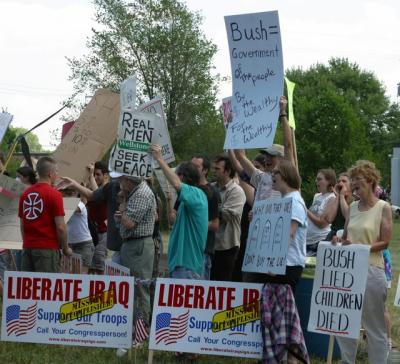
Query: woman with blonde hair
point(369, 222)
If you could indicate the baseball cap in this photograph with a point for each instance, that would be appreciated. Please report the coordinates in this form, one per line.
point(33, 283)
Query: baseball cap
point(114, 174)
point(275, 150)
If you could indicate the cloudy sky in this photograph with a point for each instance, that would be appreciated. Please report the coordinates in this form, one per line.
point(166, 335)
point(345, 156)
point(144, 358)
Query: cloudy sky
point(37, 35)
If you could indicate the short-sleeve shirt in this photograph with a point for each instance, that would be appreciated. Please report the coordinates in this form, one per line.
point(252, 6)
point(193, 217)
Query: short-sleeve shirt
point(315, 233)
point(141, 209)
point(108, 194)
point(38, 206)
point(262, 182)
point(189, 233)
point(78, 229)
point(297, 247)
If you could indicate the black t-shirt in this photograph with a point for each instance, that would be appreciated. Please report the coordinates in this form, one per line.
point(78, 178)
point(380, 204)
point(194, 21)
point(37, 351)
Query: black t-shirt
point(214, 203)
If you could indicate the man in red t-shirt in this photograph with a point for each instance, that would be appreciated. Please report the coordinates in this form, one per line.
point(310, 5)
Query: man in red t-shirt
point(43, 229)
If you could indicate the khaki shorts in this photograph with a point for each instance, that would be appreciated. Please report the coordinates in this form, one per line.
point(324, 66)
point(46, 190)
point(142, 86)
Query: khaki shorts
point(85, 250)
point(41, 260)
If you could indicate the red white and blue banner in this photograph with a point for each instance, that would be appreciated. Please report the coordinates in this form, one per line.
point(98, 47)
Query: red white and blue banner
point(207, 317)
point(68, 309)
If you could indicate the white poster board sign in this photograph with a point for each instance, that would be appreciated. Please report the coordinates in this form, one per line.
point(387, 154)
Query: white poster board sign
point(68, 309)
point(128, 93)
point(5, 120)
point(207, 317)
point(397, 298)
point(338, 290)
point(136, 131)
point(114, 269)
point(155, 106)
point(257, 79)
point(269, 235)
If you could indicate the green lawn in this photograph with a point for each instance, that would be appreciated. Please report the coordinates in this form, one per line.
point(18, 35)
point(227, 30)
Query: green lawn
point(15, 353)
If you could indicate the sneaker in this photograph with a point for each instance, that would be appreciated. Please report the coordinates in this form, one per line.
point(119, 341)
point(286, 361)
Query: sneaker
point(121, 352)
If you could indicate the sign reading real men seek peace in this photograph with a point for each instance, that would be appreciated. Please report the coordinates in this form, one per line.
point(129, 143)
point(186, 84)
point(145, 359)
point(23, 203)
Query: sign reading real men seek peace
point(136, 131)
point(257, 79)
point(338, 290)
point(268, 239)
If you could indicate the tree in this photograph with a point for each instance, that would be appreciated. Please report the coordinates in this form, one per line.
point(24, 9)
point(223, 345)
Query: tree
point(162, 42)
point(342, 115)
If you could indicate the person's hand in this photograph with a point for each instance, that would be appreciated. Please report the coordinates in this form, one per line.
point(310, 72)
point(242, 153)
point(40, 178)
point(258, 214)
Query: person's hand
point(343, 190)
point(283, 104)
point(67, 251)
point(66, 182)
point(240, 153)
point(155, 150)
point(90, 168)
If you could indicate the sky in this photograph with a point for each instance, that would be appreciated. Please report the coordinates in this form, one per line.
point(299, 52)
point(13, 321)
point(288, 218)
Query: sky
point(36, 36)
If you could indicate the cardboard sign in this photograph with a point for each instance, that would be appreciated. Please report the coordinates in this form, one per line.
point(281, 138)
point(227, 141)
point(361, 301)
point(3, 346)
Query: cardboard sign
point(5, 120)
point(128, 93)
point(269, 236)
point(397, 298)
point(72, 264)
point(136, 131)
point(114, 269)
point(10, 191)
point(68, 309)
point(257, 79)
point(338, 290)
point(155, 106)
point(91, 136)
point(206, 317)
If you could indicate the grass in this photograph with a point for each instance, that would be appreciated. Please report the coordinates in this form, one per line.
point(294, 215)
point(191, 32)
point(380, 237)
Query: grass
point(22, 353)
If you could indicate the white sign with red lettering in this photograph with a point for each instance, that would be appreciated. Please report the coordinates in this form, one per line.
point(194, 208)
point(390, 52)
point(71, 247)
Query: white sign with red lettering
point(207, 317)
point(338, 290)
point(114, 269)
point(67, 309)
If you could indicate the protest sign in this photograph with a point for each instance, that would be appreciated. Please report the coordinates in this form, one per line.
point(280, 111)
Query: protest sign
point(136, 131)
point(128, 93)
point(338, 290)
point(155, 106)
point(71, 264)
point(290, 90)
point(10, 191)
point(206, 317)
point(257, 79)
point(68, 309)
point(227, 111)
point(397, 298)
point(5, 120)
point(269, 235)
point(114, 269)
point(90, 137)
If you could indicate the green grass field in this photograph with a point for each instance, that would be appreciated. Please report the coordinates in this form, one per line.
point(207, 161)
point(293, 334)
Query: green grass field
point(21, 353)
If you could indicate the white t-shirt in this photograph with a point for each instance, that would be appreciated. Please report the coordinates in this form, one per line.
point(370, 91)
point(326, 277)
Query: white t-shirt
point(297, 247)
point(315, 233)
point(78, 229)
point(262, 182)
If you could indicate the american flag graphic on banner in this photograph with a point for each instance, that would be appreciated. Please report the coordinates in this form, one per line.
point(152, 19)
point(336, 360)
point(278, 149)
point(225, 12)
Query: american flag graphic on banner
point(170, 329)
point(141, 333)
point(18, 321)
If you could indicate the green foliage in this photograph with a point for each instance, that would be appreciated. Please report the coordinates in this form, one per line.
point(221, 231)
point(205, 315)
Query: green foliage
point(342, 115)
point(162, 42)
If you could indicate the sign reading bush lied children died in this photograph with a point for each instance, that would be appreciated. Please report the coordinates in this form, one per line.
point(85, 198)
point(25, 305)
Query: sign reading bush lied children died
point(257, 79)
point(67, 309)
point(136, 131)
point(207, 317)
point(269, 234)
point(338, 290)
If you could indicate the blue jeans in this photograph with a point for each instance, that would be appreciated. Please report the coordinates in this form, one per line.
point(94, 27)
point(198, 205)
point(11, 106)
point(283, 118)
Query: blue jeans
point(184, 273)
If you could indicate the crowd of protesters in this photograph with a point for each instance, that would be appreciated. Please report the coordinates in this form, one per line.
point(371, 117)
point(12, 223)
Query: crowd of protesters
point(120, 215)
